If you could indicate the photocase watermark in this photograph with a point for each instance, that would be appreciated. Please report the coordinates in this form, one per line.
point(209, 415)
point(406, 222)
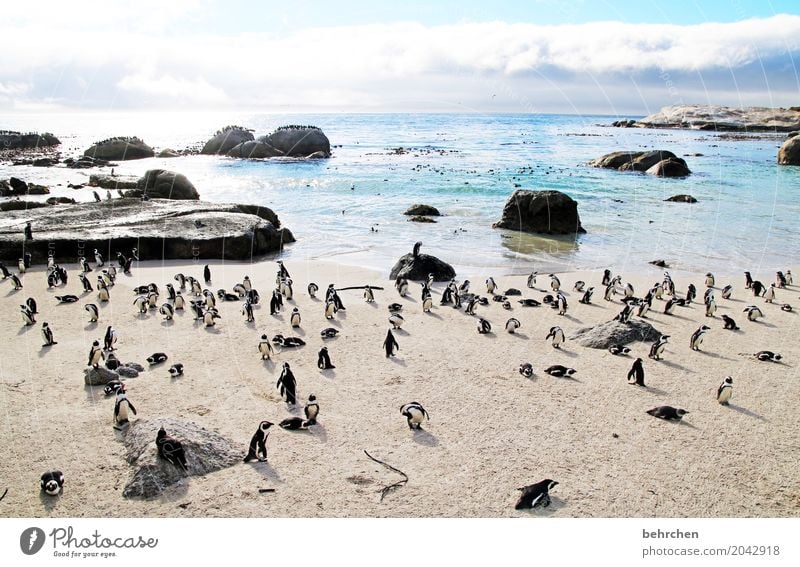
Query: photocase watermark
point(32, 540)
point(66, 543)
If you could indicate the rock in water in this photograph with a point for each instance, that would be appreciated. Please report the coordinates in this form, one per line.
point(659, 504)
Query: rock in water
point(99, 376)
point(226, 139)
point(17, 141)
point(418, 268)
point(672, 167)
point(299, 141)
point(544, 212)
point(724, 118)
point(113, 181)
point(163, 184)
point(421, 219)
point(206, 451)
point(254, 150)
point(682, 199)
point(655, 162)
point(615, 333)
point(789, 153)
point(120, 148)
point(422, 210)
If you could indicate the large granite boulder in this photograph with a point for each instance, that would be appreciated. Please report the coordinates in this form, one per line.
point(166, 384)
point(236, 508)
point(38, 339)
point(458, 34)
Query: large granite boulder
point(422, 210)
point(544, 212)
point(99, 376)
point(159, 228)
point(789, 153)
point(671, 167)
point(299, 141)
point(120, 148)
point(21, 205)
point(253, 149)
point(417, 267)
point(163, 184)
point(225, 139)
point(113, 181)
point(724, 118)
point(15, 187)
point(11, 140)
point(206, 451)
point(615, 333)
point(654, 162)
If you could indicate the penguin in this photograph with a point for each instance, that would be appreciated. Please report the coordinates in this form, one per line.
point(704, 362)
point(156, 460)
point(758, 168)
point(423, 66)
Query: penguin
point(587, 296)
point(709, 279)
point(96, 197)
point(47, 335)
point(4, 270)
point(171, 450)
point(532, 279)
point(753, 312)
point(93, 312)
point(767, 356)
point(786, 307)
point(287, 384)
point(730, 324)
point(464, 287)
point(52, 483)
point(210, 317)
point(390, 344)
point(528, 302)
point(207, 274)
point(658, 291)
point(247, 311)
point(16, 281)
point(769, 294)
point(484, 327)
point(471, 305)
point(447, 297)
point(197, 309)
point(535, 495)
point(758, 288)
point(644, 307)
point(561, 304)
point(691, 293)
point(402, 286)
point(21, 266)
point(27, 315)
point(625, 315)
point(167, 311)
point(295, 318)
point(312, 290)
point(95, 355)
point(210, 299)
point(329, 333)
point(112, 362)
point(427, 304)
point(725, 391)
point(668, 413)
point(311, 410)
point(396, 320)
point(579, 285)
point(122, 407)
point(152, 300)
point(425, 292)
point(28, 232)
point(103, 293)
point(748, 280)
point(512, 325)
point(113, 388)
point(369, 296)
point(618, 350)
point(157, 358)
point(628, 292)
point(67, 298)
point(414, 414)
point(87, 285)
point(276, 303)
point(506, 305)
point(610, 292)
point(780, 279)
point(196, 289)
point(788, 277)
point(176, 370)
point(294, 424)
point(253, 296)
point(560, 371)
point(141, 304)
point(258, 443)
point(180, 303)
point(98, 258)
point(110, 338)
point(330, 309)
point(324, 360)
point(181, 279)
point(286, 288)
point(85, 265)
point(657, 349)
point(697, 337)
point(282, 271)
point(265, 348)
point(636, 373)
point(606, 277)
point(711, 307)
point(490, 285)
point(526, 369)
point(557, 336)
point(669, 308)
point(555, 283)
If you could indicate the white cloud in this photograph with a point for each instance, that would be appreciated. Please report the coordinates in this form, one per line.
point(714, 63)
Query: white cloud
point(182, 90)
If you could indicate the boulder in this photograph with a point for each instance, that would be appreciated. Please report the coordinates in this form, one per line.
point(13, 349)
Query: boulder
point(167, 153)
point(419, 218)
point(17, 141)
point(135, 366)
point(724, 118)
point(98, 376)
point(254, 150)
point(120, 148)
point(163, 184)
point(789, 153)
point(34, 189)
point(60, 201)
point(113, 181)
point(127, 372)
point(672, 167)
point(86, 162)
point(226, 139)
point(615, 333)
point(206, 451)
point(544, 212)
point(18, 186)
point(22, 205)
point(681, 199)
point(418, 267)
point(425, 210)
point(159, 228)
point(299, 141)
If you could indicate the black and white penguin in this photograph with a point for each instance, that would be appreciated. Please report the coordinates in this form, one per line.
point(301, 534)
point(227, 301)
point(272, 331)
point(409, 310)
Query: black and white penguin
point(112, 362)
point(414, 414)
point(27, 315)
point(532, 279)
point(506, 305)
point(780, 279)
point(625, 315)
point(110, 338)
point(95, 355)
point(691, 293)
point(253, 296)
point(529, 302)
point(555, 283)
point(311, 409)
point(490, 285)
point(709, 279)
point(484, 327)
point(4, 270)
point(788, 277)
point(786, 307)
point(556, 335)
point(390, 344)
point(644, 307)
point(324, 359)
point(288, 342)
point(668, 413)
point(395, 307)
point(67, 298)
point(758, 288)
point(207, 274)
point(102, 292)
point(658, 291)
point(282, 271)
point(561, 303)
point(294, 424)
point(396, 320)
point(181, 279)
point(369, 296)
point(535, 495)
point(122, 409)
point(767, 356)
point(197, 289)
point(312, 290)
point(560, 371)
point(447, 296)
point(512, 325)
point(526, 369)
point(606, 277)
point(295, 318)
point(287, 384)
point(402, 286)
point(769, 294)
point(726, 292)
point(697, 337)
point(579, 285)
point(141, 304)
point(611, 290)
point(464, 287)
point(113, 388)
point(258, 443)
point(471, 305)
point(628, 291)
point(157, 358)
point(427, 304)
point(47, 335)
point(28, 230)
point(225, 296)
point(210, 299)
point(657, 349)
point(16, 282)
point(275, 303)
point(711, 307)
point(753, 312)
point(329, 333)
point(21, 266)
point(619, 350)
point(167, 310)
point(669, 307)
point(176, 370)
point(210, 317)
point(94, 313)
point(636, 373)
point(265, 348)
point(286, 288)
point(730, 324)
point(171, 450)
point(87, 285)
point(725, 391)
point(247, 311)
point(152, 300)
point(52, 483)
point(587, 296)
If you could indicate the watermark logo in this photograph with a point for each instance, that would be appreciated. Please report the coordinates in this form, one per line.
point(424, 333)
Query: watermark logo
point(31, 541)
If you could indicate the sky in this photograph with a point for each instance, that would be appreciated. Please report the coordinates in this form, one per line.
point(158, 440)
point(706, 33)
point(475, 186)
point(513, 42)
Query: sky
point(587, 57)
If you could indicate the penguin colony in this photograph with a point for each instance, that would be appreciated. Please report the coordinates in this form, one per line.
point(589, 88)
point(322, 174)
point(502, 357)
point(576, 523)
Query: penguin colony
point(203, 305)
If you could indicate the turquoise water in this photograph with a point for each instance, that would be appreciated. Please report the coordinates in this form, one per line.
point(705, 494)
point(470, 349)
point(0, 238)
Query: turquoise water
point(467, 165)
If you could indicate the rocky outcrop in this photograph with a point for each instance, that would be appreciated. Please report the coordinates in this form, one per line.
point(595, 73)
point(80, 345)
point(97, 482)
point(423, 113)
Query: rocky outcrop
point(21, 205)
point(86, 162)
point(615, 333)
point(163, 184)
point(422, 210)
point(543, 212)
point(15, 187)
point(226, 139)
point(98, 376)
point(655, 162)
point(672, 167)
point(168, 153)
point(10, 140)
point(681, 199)
point(299, 141)
point(418, 267)
point(113, 181)
point(60, 201)
point(789, 153)
point(722, 118)
point(206, 451)
point(254, 150)
point(120, 148)
point(159, 228)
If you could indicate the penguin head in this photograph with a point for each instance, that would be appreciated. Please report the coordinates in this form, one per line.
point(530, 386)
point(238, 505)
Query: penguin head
point(681, 412)
point(264, 425)
point(286, 366)
point(51, 487)
point(728, 380)
point(263, 337)
point(312, 398)
point(550, 483)
point(161, 433)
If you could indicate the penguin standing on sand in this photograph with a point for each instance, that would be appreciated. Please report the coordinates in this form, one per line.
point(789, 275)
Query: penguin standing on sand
point(587, 296)
point(207, 274)
point(748, 280)
point(52, 482)
point(669, 307)
point(16, 281)
point(324, 359)
point(282, 271)
point(709, 279)
point(93, 312)
point(95, 355)
point(87, 285)
point(287, 384)
point(275, 303)
point(610, 291)
point(606, 277)
point(532, 279)
point(180, 302)
point(769, 294)
point(697, 337)
point(726, 292)
point(311, 410)
point(31, 303)
point(47, 335)
point(295, 318)
point(490, 285)
point(711, 307)
point(312, 290)
point(427, 304)
point(691, 293)
point(658, 347)
point(535, 495)
point(167, 311)
point(758, 288)
point(102, 291)
point(258, 443)
point(730, 324)
point(396, 320)
point(390, 344)
point(330, 309)
point(27, 315)
point(753, 312)
point(555, 283)
point(484, 327)
point(636, 373)
point(122, 407)
point(414, 414)
point(557, 336)
point(265, 348)
point(110, 338)
point(369, 297)
point(725, 391)
point(247, 311)
point(579, 285)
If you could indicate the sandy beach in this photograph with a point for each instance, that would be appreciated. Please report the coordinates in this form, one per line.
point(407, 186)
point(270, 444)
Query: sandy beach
point(490, 431)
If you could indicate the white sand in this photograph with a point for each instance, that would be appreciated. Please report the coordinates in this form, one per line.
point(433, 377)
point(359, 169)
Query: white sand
point(491, 430)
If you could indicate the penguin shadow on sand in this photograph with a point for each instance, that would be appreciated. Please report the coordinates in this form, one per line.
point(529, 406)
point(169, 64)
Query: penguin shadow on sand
point(44, 350)
point(95, 394)
point(714, 355)
point(398, 360)
point(433, 315)
point(747, 412)
point(166, 323)
point(212, 330)
point(328, 372)
point(401, 331)
point(764, 324)
point(269, 364)
point(675, 365)
point(297, 331)
point(266, 470)
point(518, 335)
point(572, 318)
point(319, 432)
point(13, 292)
point(650, 390)
point(90, 326)
point(425, 438)
point(24, 329)
point(49, 502)
point(569, 353)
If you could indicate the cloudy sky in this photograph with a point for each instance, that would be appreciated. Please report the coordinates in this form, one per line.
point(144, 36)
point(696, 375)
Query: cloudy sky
point(609, 57)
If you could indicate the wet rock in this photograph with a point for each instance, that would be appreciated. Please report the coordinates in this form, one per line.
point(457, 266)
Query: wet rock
point(789, 152)
point(163, 184)
point(544, 212)
point(654, 162)
point(113, 181)
point(672, 167)
point(682, 199)
point(16, 140)
point(615, 333)
point(167, 153)
point(225, 139)
point(299, 141)
point(120, 148)
point(422, 210)
point(86, 162)
point(135, 365)
point(418, 268)
point(421, 219)
point(21, 205)
point(254, 150)
point(127, 372)
point(60, 201)
point(724, 118)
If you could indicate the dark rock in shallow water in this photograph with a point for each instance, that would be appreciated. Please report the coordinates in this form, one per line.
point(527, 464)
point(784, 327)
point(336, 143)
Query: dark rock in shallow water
point(672, 167)
point(86, 162)
point(168, 153)
point(11, 140)
point(99, 376)
point(544, 212)
point(226, 139)
point(682, 199)
point(113, 181)
point(655, 162)
point(615, 333)
point(299, 141)
point(254, 150)
point(422, 210)
point(120, 148)
point(789, 152)
point(60, 201)
point(659, 263)
point(159, 228)
point(206, 451)
point(421, 219)
point(163, 184)
point(418, 268)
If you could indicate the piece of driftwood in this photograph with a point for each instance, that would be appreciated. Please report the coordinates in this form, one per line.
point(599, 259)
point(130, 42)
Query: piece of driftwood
point(385, 490)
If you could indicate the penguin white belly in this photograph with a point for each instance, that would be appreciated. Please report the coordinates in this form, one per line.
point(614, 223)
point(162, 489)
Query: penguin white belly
point(725, 395)
point(122, 414)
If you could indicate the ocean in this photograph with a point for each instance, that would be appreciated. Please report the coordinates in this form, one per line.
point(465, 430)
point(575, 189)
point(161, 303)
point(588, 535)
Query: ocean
point(467, 165)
